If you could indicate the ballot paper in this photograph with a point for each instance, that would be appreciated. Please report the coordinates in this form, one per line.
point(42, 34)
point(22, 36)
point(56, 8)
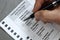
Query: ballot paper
point(18, 29)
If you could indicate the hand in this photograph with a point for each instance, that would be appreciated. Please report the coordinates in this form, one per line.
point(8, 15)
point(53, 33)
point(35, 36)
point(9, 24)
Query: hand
point(46, 15)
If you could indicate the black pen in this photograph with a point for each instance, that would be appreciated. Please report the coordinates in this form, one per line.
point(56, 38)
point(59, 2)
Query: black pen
point(53, 4)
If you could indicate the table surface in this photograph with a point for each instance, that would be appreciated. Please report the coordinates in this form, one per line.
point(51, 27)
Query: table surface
point(6, 6)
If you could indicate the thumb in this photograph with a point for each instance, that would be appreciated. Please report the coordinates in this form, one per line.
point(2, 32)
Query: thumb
point(44, 15)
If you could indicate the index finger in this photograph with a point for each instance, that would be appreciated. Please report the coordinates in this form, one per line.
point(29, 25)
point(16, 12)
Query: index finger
point(38, 5)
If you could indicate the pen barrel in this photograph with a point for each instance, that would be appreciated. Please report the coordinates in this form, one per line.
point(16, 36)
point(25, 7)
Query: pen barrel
point(58, 2)
point(50, 6)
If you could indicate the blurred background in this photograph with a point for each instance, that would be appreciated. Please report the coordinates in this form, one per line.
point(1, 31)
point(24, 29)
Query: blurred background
point(6, 6)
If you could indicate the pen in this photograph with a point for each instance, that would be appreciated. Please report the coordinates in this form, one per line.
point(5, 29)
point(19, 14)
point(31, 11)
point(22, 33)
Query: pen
point(53, 4)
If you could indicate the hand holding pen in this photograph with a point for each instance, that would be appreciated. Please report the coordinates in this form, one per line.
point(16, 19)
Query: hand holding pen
point(44, 14)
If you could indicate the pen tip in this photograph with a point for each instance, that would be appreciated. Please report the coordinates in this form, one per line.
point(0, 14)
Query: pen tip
point(26, 18)
point(31, 16)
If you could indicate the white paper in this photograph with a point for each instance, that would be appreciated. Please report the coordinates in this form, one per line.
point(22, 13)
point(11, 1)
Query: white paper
point(23, 29)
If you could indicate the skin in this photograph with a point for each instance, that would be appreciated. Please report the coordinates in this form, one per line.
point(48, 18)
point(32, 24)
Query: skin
point(46, 15)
